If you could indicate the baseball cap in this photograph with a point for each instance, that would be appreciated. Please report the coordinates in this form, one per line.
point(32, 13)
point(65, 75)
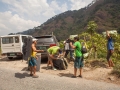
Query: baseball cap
point(34, 39)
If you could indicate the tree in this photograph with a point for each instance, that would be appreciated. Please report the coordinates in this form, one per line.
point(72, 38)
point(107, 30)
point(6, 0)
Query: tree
point(91, 27)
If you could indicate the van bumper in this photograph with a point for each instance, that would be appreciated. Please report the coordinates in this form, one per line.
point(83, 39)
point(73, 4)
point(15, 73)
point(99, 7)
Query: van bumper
point(14, 54)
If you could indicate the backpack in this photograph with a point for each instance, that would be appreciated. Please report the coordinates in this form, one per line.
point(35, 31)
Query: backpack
point(84, 48)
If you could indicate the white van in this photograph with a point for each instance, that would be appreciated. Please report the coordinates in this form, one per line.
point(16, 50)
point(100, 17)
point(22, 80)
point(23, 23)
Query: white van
point(12, 45)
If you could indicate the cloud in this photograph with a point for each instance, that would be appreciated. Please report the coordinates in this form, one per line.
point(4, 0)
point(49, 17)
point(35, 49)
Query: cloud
point(58, 7)
point(77, 4)
point(34, 9)
point(21, 15)
point(14, 23)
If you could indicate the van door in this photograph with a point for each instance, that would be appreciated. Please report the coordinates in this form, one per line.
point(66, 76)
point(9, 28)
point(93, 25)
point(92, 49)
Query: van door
point(17, 44)
point(7, 44)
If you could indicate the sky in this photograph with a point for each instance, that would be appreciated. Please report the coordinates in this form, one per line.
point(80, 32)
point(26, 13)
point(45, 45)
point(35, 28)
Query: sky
point(20, 15)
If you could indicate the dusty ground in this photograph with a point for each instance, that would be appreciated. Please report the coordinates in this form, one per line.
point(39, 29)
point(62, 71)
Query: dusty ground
point(99, 74)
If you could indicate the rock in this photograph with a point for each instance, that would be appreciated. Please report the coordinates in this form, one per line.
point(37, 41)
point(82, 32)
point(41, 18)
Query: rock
point(112, 78)
point(86, 69)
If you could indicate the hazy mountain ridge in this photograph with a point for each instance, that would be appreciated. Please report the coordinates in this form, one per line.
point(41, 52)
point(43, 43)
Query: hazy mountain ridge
point(106, 13)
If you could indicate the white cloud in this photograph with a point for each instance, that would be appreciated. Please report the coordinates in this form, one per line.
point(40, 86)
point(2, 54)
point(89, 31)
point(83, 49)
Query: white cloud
point(28, 8)
point(57, 7)
point(25, 14)
point(77, 4)
point(13, 23)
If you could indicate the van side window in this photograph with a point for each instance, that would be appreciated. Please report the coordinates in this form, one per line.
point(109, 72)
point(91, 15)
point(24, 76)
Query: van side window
point(7, 40)
point(23, 37)
point(16, 39)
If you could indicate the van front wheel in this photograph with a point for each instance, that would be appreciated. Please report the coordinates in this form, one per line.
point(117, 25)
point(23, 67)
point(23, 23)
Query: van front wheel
point(10, 58)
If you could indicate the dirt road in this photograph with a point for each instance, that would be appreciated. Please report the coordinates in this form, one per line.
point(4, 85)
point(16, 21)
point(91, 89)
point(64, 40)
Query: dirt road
point(99, 74)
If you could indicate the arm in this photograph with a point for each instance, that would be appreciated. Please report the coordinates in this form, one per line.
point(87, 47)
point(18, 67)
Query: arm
point(36, 57)
point(60, 55)
point(107, 34)
point(52, 56)
point(35, 50)
point(72, 45)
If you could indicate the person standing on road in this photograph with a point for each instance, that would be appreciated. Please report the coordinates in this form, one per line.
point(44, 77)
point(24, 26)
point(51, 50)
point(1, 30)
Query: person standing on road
point(78, 63)
point(110, 49)
point(68, 48)
point(33, 58)
point(53, 53)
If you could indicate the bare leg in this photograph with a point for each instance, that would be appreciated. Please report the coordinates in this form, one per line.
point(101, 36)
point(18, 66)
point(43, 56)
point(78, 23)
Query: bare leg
point(111, 63)
point(80, 71)
point(34, 70)
point(75, 71)
point(31, 70)
point(51, 63)
point(48, 63)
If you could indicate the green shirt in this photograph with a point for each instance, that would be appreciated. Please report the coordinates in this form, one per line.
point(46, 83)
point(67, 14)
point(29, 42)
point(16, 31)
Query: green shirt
point(77, 49)
point(53, 50)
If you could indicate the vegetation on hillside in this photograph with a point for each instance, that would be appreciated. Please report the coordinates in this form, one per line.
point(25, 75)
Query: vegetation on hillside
point(106, 13)
point(97, 48)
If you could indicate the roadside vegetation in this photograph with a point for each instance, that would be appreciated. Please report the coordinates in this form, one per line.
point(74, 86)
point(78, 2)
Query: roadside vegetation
point(97, 48)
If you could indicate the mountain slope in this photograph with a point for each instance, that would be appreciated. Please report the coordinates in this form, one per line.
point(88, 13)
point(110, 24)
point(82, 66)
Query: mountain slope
point(106, 13)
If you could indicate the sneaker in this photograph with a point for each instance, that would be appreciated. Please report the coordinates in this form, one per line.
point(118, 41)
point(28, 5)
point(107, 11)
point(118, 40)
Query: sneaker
point(47, 68)
point(54, 68)
point(80, 76)
point(31, 74)
point(73, 77)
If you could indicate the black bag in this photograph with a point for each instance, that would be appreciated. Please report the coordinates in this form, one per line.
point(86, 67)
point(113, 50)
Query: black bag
point(27, 48)
point(60, 64)
point(84, 48)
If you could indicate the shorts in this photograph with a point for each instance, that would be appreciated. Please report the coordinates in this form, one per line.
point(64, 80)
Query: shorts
point(78, 63)
point(109, 54)
point(32, 61)
point(49, 58)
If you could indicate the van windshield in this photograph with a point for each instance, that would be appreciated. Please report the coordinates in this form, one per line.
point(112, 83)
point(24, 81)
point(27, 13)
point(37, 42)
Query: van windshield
point(7, 40)
point(45, 40)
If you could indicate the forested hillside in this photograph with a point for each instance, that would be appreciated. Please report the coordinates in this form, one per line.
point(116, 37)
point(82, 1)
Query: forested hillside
point(106, 13)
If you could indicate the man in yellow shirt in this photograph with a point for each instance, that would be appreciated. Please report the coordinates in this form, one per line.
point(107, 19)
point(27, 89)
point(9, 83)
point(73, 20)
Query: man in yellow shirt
point(32, 61)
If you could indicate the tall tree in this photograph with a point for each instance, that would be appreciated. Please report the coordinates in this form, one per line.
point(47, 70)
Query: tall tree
point(91, 27)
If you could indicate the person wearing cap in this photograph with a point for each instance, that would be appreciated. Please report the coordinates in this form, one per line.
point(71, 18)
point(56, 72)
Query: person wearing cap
point(53, 53)
point(33, 58)
point(110, 49)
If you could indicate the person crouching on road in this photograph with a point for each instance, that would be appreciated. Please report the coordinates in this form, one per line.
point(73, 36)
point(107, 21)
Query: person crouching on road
point(33, 58)
point(78, 63)
point(52, 55)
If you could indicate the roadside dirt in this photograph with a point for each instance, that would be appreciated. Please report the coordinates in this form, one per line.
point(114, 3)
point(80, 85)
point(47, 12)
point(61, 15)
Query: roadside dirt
point(98, 74)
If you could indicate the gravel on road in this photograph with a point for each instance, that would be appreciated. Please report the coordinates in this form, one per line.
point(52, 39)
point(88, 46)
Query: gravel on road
point(13, 79)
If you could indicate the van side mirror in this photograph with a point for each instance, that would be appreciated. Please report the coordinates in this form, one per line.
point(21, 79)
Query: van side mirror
point(58, 40)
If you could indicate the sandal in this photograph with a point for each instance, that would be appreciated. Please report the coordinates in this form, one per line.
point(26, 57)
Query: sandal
point(109, 67)
point(31, 74)
point(35, 76)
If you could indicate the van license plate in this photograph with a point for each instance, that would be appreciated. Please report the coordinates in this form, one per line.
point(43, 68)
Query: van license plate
point(12, 54)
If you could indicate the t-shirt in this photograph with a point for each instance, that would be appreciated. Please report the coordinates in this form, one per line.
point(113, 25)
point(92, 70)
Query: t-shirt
point(33, 54)
point(110, 45)
point(67, 45)
point(53, 50)
point(78, 49)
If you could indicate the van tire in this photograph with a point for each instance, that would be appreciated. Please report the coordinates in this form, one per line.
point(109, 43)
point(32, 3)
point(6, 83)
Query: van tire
point(10, 58)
